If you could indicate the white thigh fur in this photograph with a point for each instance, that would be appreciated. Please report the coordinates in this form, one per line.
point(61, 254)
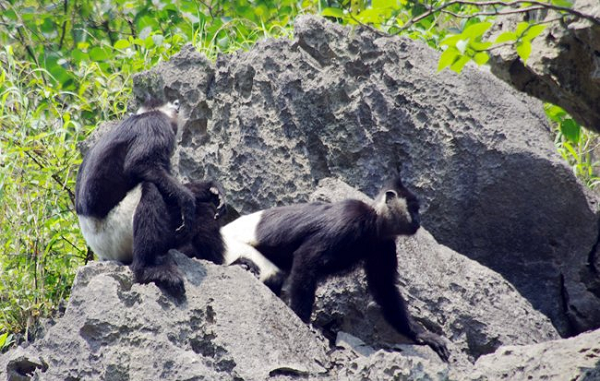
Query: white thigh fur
point(240, 240)
point(111, 238)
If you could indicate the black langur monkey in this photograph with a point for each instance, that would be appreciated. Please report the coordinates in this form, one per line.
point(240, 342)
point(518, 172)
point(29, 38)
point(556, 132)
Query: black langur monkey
point(312, 241)
point(130, 207)
point(206, 241)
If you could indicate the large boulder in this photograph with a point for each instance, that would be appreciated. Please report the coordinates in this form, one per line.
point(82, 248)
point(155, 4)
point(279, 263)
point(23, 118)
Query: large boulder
point(229, 327)
point(577, 358)
point(471, 305)
point(564, 65)
point(346, 102)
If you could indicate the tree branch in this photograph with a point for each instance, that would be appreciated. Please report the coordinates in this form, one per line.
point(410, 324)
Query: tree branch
point(64, 26)
point(533, 5)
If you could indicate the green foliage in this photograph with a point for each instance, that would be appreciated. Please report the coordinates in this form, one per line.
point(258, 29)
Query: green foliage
point(458, 29)
point(40, 243)
point(6, 340)
point(466, 46)
point(66, 67)
point(577, 146)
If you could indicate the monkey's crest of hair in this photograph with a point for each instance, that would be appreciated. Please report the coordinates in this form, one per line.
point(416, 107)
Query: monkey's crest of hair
point(170, 109)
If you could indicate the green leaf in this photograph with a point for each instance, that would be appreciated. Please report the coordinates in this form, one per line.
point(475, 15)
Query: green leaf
point(370, 16)
point(3, 338)
point(524, 50)
point(571, 130)
point(480, 46)
point(451, 40)
point(476, 30)
point(48, 28)
point(481, 58)
point(459, 64)
point(506, 37)
point(533, 32)
point(521, 27)
point(99, 54)
point(563, 3)
point(571, 150)
point(333, 12)
point(383, 3)
point(555, 113)
point(448, 57)
point(122, 44)
point(79, 55)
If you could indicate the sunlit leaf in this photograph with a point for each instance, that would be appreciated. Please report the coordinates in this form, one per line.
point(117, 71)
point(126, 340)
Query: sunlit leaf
point(480, 46)
point(481, 58)
point(383, 3)
point(521, 28)
point(563, 3)
point(451, 40)
point(524, 50)
point(3, 340)
point(533, 32)
point(555, 113)
point(122, 44)
point(459, 64)
point(370, 16)
point(448, 57)
point(476, 30)
point(506, 37)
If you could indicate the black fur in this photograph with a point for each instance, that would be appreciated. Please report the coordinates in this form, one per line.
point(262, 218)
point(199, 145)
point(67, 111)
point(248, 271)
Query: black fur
point(313, 241)
point(274, 282)
point(206, 241)
point(248, 265)
point(137, 152)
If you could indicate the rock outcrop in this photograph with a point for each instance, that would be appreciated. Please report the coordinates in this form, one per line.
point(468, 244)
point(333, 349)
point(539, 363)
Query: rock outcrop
point(231, 327)
point(577, 358)
point(564, 66)
point(335, 101)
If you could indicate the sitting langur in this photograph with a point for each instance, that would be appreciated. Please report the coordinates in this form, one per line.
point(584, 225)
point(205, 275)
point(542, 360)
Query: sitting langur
point(130, 206)
point(312, 241)
point(206, 241)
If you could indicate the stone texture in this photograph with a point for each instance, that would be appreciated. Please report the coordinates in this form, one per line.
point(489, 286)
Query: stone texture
point(471, 305)
point(271, 122)
point(229, 327)
point(564, 66)
point(361, 362)
point(577, 358)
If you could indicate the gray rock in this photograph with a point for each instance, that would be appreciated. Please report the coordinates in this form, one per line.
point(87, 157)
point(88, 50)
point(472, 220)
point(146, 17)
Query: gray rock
point(577, 358)
point(564, 66)
point(229, 327)
point(471, 305)
point(271, 122)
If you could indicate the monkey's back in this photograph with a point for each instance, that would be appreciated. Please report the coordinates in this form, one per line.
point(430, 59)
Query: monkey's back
point(320, 228)
point(101, 181)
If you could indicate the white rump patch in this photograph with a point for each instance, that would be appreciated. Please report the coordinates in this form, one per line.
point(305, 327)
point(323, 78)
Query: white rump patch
point(240, 241)
point(111, 238)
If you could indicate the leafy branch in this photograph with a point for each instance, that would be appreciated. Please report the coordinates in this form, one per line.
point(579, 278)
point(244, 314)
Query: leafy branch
point(530, 6)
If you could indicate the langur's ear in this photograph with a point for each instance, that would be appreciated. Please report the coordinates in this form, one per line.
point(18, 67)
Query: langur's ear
point(390, 195)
